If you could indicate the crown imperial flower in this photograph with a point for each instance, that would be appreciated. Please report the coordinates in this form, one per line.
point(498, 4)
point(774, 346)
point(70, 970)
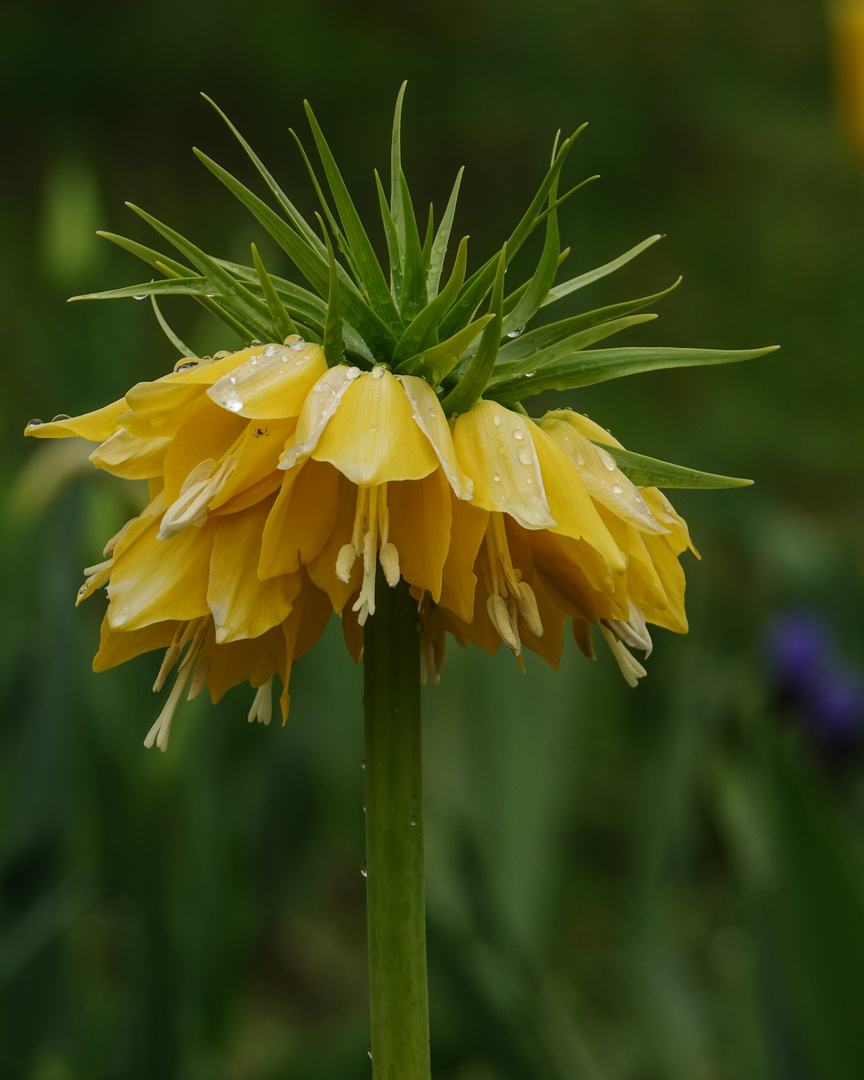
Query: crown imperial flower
point(380, 430)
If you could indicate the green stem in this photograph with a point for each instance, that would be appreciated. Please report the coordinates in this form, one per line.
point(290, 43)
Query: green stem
point(395, 898)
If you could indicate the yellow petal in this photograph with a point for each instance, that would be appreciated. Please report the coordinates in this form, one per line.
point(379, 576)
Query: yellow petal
point(495, 448)
point(420, 518)
point(372, 437)
point(131, 458)
point(272, 384)
point(321, 403)
point(303, 627)
point(158, 580)
point(553, 620)
point(94, 426)
point(242, 605)
point(459, 580)
point(118, 647)
point(255, 659)
point(570, 504)
point(669, 570)
point(256, 473)
point(602, 478)
point(429, 417)
point(159, 408)
point(302, 519)
point(322, 570)
point(207, 432)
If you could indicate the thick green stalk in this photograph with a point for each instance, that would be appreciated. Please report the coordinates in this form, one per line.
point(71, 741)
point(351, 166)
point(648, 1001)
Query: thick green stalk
point(396, 904)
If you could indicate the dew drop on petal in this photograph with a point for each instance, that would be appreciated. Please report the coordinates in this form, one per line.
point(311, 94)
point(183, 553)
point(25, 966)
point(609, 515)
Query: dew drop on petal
point(271, 350)
point(516, 332)
point(618, 489)
point(185, 365)
point(298, 345)
point(36, 423)
point(233, 404)
point(352, 373)
point(61, 416)
point(377, 372)
point(255, 343)
point(529, 480)
point(518, 435)
point(497, 420)
point(525, 456)
point(496, 477)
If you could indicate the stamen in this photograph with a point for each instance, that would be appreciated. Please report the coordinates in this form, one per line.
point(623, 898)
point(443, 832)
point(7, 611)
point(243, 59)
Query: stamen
point(262, 706)
point(161, 730)
point(345, 562)
point(630, 667)
point(432, 654)
point(371, 519)
point(192, 505)
point(634, 631)
point(509, 596)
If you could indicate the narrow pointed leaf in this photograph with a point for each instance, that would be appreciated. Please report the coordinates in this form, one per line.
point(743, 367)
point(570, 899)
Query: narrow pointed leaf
point(567, 287)
point(536, 362)
point(560, 202)
point(294, 215)
point(417, 333)
point(442, 239)
point(543, 277)
point(344, 246)
point(589, 367)
point(414, 285)
point(252, 310)
point(472, 384)
point(427, 240)
point(513, 298)
point(651, 472)
point(537, 342)
point(333, 346)
point(435, 363)
point(480, 282)
point(394, 249)
point(313, 266)
point(146, 254)
point(178, 344)
point(370, 275)
point(185, 286)
point(397, 207)
point(284, 322)
point(298, 300)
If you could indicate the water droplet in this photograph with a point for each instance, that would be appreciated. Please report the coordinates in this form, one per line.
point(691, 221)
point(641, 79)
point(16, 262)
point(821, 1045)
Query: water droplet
point(607, 460)
point(496, 477)
point(232, 404)
point(530, 374)
point(518, 435)
point(221, 354)
point(497, 420)
point(364, 871)
point(83, 589)
point(529, 480)
point(271, 350)
point(36, 423)
point(525, 456)
point(185, 365)
point(352, 373)
point(377, 372)
point(413, 820)
point(140, 296)
point(255, 343)
point(253, 361)
point(516, 332)
point(580, 460)
point(59, 417)
point(432, 411)
point(363, 763)
point(232, 379)
point(369, 1051)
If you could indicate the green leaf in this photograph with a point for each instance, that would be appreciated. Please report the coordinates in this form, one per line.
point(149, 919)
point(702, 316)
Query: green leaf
point(537, 341)
point(284, 322)
point(650, 472)
point(567, 287)
point(314, 268)
point(333, 347)
point(427, 241)
point(480, 282)
point(394, 249)
point(185, 286)
point(587, 368)
point(369, 273)
point(553, 208)
point(442, 240)
point(146, 254)
point(435, 363)
point(418, 331)
point(344, 246)
point(414, 285)
point(505, 373)
point(183, 349)
point(306, 304)
point(294, 215)
point(397, 207)
point(543, 277)
point(252, 310)
point(473, 383)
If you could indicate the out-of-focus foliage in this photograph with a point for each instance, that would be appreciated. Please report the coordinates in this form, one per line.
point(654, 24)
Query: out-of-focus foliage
point(623, 885)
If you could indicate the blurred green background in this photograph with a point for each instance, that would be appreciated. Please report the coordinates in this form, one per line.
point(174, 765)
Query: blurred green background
point(623, 885)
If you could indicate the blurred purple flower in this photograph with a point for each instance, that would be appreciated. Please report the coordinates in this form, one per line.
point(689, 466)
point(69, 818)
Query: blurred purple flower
point(810, 678)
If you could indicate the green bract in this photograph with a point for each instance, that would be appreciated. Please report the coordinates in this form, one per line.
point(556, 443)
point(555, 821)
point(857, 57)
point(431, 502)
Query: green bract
point(467, 337)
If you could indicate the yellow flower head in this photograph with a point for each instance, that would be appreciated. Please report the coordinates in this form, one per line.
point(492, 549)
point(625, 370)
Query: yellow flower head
point(380, 435)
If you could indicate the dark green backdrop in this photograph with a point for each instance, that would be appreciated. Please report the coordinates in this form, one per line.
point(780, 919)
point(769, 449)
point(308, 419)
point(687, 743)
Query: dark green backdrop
point(623, 885)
